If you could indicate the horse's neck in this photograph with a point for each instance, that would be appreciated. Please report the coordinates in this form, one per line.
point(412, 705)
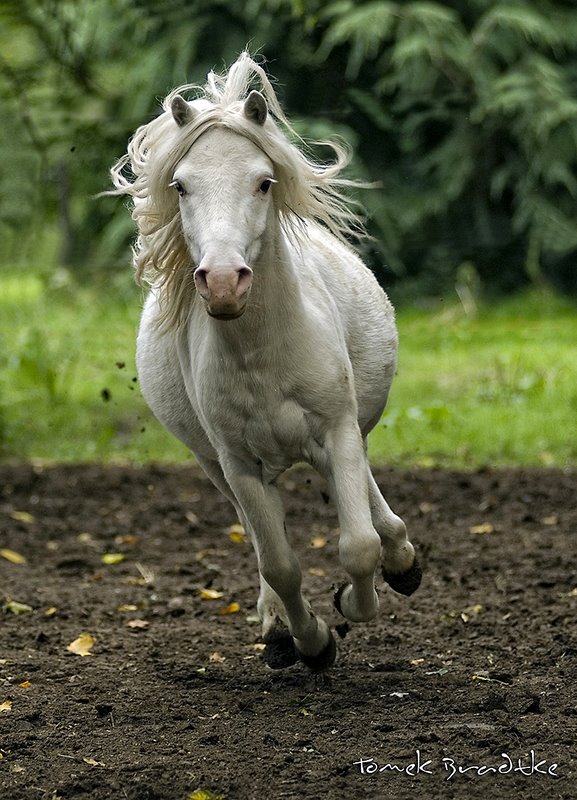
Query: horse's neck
point(275, 304)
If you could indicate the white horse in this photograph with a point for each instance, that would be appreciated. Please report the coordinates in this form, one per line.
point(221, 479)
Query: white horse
point(265, 341)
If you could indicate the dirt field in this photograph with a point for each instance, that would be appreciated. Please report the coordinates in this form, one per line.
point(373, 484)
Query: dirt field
point(475, 672)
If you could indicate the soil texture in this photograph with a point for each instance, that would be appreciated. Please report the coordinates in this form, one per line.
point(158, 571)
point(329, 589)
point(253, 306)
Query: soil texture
point(466, 690)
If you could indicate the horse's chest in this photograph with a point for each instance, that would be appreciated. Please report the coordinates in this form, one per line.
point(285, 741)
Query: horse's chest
point(258, 414)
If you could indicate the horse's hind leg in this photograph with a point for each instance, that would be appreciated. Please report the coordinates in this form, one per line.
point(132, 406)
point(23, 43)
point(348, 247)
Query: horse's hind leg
point(400, 567)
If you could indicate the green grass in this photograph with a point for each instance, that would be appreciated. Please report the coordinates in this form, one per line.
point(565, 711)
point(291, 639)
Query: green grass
point(498, 388)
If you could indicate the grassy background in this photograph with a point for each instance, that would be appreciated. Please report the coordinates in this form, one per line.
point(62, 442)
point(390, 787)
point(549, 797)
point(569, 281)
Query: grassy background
point(497, 387)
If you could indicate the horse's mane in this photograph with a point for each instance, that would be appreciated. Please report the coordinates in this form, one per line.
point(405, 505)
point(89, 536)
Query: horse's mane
point(305, 190)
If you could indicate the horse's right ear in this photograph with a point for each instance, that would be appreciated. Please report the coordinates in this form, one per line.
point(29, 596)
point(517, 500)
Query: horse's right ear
point(181, 111)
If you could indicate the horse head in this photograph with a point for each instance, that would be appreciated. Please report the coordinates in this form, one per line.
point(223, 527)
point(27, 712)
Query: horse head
point(224, 186)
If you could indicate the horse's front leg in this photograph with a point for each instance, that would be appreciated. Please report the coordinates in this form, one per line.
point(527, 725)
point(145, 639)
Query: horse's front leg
point(278, 566)
point(359, 543)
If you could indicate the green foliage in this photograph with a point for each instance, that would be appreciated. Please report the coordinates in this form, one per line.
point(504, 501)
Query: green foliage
point(495, 387)
point(465, 113)
point(476, 105)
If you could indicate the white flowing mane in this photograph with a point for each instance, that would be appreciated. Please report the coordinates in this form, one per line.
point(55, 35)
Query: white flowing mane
point(305, 190)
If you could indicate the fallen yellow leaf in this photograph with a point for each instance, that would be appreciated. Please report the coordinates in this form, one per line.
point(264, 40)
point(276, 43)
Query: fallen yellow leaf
point(127, 539)
point(216, 658)
point(12, 556)
point(93, 762)
point(25, 685)
point(231, 608)
point(137, 624)
point(6, 706)
point(23, 516)
point(17, 608)
point(470, 612)
point(112, 558)
point(127, 607)
point(51, 611)
point(237, 534)
point(484, 528)
point(83, 645)
point(210, 594)
point(318, 572)
point(204, 794)
point(552, 519)
point(318, 542)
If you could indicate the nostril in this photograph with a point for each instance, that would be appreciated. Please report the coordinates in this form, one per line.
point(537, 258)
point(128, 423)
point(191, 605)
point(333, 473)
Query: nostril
point(200, 280)
point(244, 281)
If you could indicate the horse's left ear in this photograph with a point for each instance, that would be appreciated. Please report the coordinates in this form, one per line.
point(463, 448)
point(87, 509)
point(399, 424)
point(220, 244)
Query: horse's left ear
point(255, 108)
point(181, 111)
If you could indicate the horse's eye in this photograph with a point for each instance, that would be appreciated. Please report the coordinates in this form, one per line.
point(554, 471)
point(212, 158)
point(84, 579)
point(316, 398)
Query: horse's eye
point(179, 187)
point(265, 185)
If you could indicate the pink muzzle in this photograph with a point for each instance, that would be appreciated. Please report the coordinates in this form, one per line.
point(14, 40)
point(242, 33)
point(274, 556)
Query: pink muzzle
point(224, 288)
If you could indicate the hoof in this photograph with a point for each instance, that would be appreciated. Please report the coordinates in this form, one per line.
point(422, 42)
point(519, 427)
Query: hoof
point(280, 651)
point(338, 596)
point(405, 582)
point(323, 660)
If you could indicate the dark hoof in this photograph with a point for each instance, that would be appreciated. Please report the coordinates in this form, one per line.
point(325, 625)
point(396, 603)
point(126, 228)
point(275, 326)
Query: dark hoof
point(337, 598)
point(405, 582)
point(280, 651)
point(324, 660)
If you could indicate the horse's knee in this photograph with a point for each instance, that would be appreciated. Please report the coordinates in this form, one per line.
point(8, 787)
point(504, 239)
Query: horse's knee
point(359, 554)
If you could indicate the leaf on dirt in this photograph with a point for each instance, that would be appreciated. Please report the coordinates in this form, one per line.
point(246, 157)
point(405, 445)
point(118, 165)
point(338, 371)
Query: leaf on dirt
point(416, 662)
point(318, 542)
point(191, 517)
point(304, 712)
point(6, 706)
point(318, 572)
point(481, 676)
point(550, 520)
point(470, 612)
point(258, 646)
point(231, 608)
point(93, 762)
point(17, 608)
point(23, 516)
point(112, 558)
point(51, 611)
point(12, 556)
point(572, 593)
point(83, 645)
point(210, 594)
point(138, 624)
point(482, 529)
point(237, 534)
point(25, 685)
point(216, 658)
point(204, 794)
point(127, 607)
point(127, 539)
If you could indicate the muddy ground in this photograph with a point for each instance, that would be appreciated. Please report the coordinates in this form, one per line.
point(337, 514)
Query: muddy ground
point(475, 672)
